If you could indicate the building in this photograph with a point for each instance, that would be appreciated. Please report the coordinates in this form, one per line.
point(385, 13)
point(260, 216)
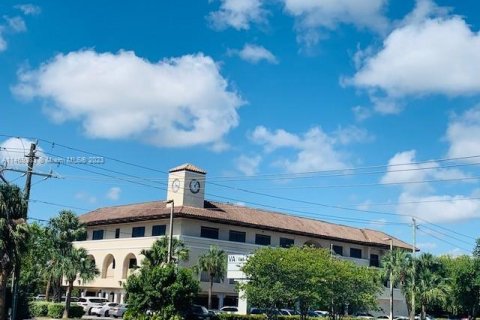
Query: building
point(116, 236)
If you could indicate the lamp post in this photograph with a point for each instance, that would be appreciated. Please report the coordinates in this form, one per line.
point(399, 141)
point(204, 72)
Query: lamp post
point(391, 277)
point(170, 230)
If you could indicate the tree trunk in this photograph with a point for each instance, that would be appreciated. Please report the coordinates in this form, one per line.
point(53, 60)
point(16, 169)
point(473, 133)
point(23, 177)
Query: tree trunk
point(47, 290)
point(424, 312)
point(66, 313)
point(210, 289)
point(391, 296)
point(3, 292)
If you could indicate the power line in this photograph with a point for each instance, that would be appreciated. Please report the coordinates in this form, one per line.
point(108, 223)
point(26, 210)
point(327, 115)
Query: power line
point(443, 240)
point(240, 189)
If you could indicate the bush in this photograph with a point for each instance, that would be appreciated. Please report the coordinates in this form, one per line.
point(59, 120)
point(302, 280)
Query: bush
point(228, 316)
point(55, 310)
point(39, 308)
point(76, 311)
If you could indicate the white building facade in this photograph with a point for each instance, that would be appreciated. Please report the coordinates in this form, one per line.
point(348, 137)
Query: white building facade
point(117, 235)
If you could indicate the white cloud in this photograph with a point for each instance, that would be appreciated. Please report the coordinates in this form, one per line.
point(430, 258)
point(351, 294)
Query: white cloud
point(85, 196)
point(114, 193)
point(316, 150)
point(403, 168)
point(361, 113)
point(254, 54)
point(248, 165)
point(316, 16)
point(430, 52)
point(456, 252)
point(439, 208)
point(16, 24)
point(3, 42)
point(238, 14)
point(175, 102)
point(463, 134)
point(423, 246)
point(14, 150)
point(29, 9)
point(420, 199)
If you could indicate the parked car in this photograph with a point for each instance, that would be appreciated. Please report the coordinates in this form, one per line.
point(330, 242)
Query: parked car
point(103, 310)
point(322, 313)
point(229, 309)
point(118, 311)
point(383, 317)
point(40, 297)
point(89, 302)
point(363, 315)
point(197, 312)
point(312, 314)
point(287, 312)
point(401, 318)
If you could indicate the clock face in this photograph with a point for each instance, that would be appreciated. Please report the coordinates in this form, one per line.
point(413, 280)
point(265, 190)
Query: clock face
point(175, 185)
point(194, 186)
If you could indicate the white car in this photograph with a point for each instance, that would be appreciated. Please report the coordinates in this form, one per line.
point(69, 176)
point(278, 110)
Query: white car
point(89, 302)
point(228, 310)
point(322, 313)
point(103, 310)
point(118, 311)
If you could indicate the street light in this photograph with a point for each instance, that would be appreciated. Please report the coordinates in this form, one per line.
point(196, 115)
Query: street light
point(391, 277)
point(170, 230)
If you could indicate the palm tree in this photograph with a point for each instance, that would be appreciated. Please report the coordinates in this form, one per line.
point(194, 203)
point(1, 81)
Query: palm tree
point(395, 267)
point(214, 263)
point(76, 264)
point(62, 231)
point(158, 253)
point(430, 285)
point(13, 235)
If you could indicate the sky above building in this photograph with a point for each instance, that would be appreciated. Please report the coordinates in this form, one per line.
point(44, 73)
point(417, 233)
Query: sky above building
point(363, 113)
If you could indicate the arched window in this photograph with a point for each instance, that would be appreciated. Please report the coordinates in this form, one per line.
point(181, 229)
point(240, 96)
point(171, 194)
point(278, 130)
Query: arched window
point(108, 266)
point(130, 263)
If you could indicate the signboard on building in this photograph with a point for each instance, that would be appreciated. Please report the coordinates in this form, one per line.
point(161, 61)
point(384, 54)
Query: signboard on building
point(235, 263)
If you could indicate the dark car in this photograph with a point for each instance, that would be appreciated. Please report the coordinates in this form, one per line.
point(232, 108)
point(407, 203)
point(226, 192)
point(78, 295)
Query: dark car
point(197, 312)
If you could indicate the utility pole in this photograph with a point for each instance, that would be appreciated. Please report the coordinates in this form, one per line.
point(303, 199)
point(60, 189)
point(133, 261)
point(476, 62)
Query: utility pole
point(170, 229)
point(26, 195)
point(414, 251)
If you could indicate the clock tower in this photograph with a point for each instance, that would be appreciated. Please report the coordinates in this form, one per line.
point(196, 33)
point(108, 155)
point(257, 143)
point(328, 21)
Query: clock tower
point(186, 186)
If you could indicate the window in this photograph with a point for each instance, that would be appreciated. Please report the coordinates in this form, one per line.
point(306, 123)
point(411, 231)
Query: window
point(286, 242)
point(97, 235)
point(262, 239)
point(237, 236)
point(138, 232)
point(113, 264)
point(159, 230)
point(374, 261)
point(205, 277)
point(211, 233)
point(117, 233)
point(356, 253)
point(231, 281)
point(337, 250)
point(132, 263)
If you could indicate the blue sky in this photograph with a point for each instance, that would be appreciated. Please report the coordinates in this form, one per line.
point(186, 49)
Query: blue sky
point(361, 113)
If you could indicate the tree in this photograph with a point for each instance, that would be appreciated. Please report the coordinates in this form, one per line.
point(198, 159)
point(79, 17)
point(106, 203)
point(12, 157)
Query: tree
point(62, 231)
point(214, 263)
point(163, 289)
point(308, 278)
point(396, 265)
point(158, 253)
point(430, 285)
point(76, 264)
point(13, 235)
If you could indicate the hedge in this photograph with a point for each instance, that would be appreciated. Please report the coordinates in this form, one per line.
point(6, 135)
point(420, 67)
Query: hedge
point(39, 309)
point(54, 310)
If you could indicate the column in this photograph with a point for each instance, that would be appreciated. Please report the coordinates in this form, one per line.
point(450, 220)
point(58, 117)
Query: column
point(242, 301)
point(221, 297)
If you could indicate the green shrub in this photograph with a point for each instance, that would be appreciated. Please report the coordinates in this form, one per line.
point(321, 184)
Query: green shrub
point(55, 310)
point(76, 311)
point(39, 308)
point(228, 316)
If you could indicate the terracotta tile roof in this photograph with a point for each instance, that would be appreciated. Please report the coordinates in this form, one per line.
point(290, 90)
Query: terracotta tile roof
point(188, 167)
point(243, 216)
